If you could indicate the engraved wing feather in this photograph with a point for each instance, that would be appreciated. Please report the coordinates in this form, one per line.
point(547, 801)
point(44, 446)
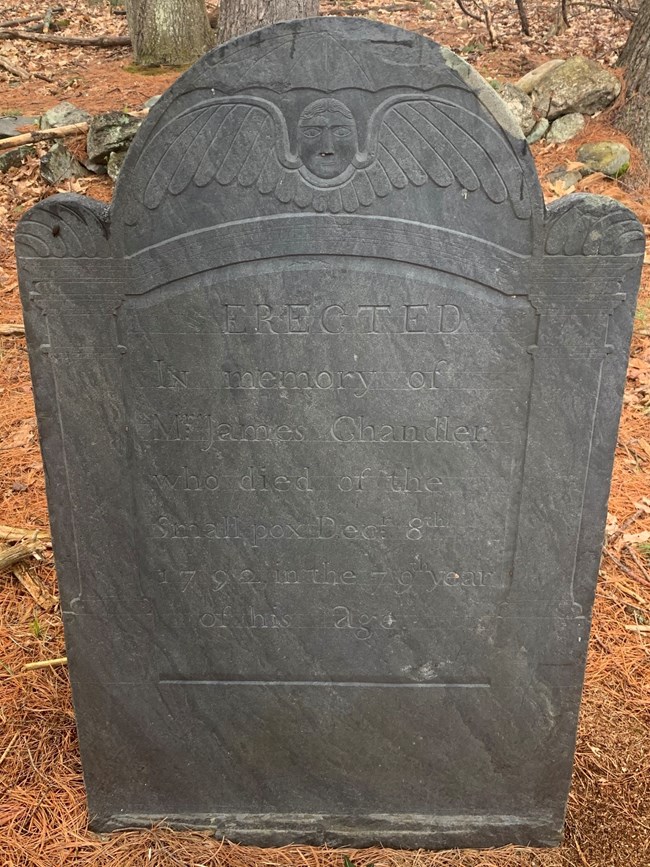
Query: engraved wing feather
point(412, 139)
point(417, 138)
point(241, 139)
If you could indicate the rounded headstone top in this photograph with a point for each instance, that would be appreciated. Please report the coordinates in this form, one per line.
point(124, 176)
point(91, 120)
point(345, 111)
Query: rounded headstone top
point(329, 116)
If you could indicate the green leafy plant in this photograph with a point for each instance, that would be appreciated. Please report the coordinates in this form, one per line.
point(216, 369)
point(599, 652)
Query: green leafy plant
point(35, 628)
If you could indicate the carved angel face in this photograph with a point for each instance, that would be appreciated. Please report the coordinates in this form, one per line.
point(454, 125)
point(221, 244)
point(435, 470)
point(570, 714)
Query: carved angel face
point(327, 138)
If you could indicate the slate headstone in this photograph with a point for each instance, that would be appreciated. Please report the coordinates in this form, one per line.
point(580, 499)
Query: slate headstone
point(328, 402)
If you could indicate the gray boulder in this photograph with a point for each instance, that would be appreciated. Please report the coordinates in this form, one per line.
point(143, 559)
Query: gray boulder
point(564, 128)
point(529, 82)
point(609, 157)
point(64, 114)
point(15, 157)
point(59, 164)
point(109, 132)
point(10, 125)
point(578, 85)
point(520, 105)
point(538, 131)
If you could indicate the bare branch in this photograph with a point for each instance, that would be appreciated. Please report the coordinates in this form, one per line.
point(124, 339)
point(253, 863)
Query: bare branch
point(99, 41)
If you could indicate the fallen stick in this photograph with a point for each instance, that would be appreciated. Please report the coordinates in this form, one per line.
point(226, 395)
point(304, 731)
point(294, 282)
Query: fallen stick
point(637, 628)
point(11, 329)
point(33, 585)
point(55, 132)
point(43, 135)
point(16, 22)
point(639, 579)
point(45, 663)
point(97, 41)
point(47, 21)
point(18, 534)
point(14, 70)
point(16, 553)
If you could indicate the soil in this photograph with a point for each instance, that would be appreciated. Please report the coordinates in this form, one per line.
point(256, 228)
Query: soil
point(43, 818)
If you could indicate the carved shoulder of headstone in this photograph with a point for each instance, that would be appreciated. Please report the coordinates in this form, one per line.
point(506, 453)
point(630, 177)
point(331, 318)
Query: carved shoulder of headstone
point(64, 227)
point(588, 225)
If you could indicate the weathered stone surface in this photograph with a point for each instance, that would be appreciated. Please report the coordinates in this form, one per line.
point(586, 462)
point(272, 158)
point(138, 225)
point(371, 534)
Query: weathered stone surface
point(64, 114)
point(565, 128)
point(609, 157)
point(152, 101)
point(10, 125)
point(58, 163)
point(529, 82)
point(539, 131)
point(520, 104)
point(115, 163)
point(578, 85)
point(95, 168)
point(328, 403)
point(110, 132)
point(15, 157)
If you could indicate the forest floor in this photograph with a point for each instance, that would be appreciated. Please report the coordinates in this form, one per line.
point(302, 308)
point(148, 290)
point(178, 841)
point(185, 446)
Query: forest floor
point(43, 818)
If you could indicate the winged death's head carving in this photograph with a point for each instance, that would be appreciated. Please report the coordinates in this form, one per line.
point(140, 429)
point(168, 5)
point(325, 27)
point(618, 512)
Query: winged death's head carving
point(411, 139)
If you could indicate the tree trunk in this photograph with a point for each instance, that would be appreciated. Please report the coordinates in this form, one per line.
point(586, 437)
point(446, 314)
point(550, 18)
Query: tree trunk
point(241, 16)
point(634, 117)
point(168, 32)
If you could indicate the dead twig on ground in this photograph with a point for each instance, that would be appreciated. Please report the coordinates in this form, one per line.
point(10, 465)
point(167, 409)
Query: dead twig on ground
point(14, 70)
point(56, 132)
point(18, 534)
point(98, 41)
point(624, 569)
point(11, 329)
point(18, 22)
point(47, 21)
point(14, 554)
point(35, 587)
point(43, 135)
point(45, 663)
point(7, 749)
point(358, 10)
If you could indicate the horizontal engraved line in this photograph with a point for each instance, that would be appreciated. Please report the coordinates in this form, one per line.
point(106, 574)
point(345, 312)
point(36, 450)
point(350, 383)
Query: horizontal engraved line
point(246, 388)
point(336, 335)
point(294, 443)
point(353, 683)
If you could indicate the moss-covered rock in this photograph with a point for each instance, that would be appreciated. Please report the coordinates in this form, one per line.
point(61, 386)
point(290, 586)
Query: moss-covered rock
point(564, 128)
point(609, 157)
point(578, 85)
point(15, 157)
point(109, 132)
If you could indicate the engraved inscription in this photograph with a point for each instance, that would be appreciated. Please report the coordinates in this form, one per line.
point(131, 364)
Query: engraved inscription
point(340, 318)
point(311, 466)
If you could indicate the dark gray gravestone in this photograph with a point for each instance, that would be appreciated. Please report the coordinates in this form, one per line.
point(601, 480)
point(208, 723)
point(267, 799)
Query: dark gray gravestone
point(328, 403)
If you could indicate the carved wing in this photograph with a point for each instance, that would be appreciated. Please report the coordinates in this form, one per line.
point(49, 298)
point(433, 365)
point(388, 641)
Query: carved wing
point(414, 138)
point(227, 139)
